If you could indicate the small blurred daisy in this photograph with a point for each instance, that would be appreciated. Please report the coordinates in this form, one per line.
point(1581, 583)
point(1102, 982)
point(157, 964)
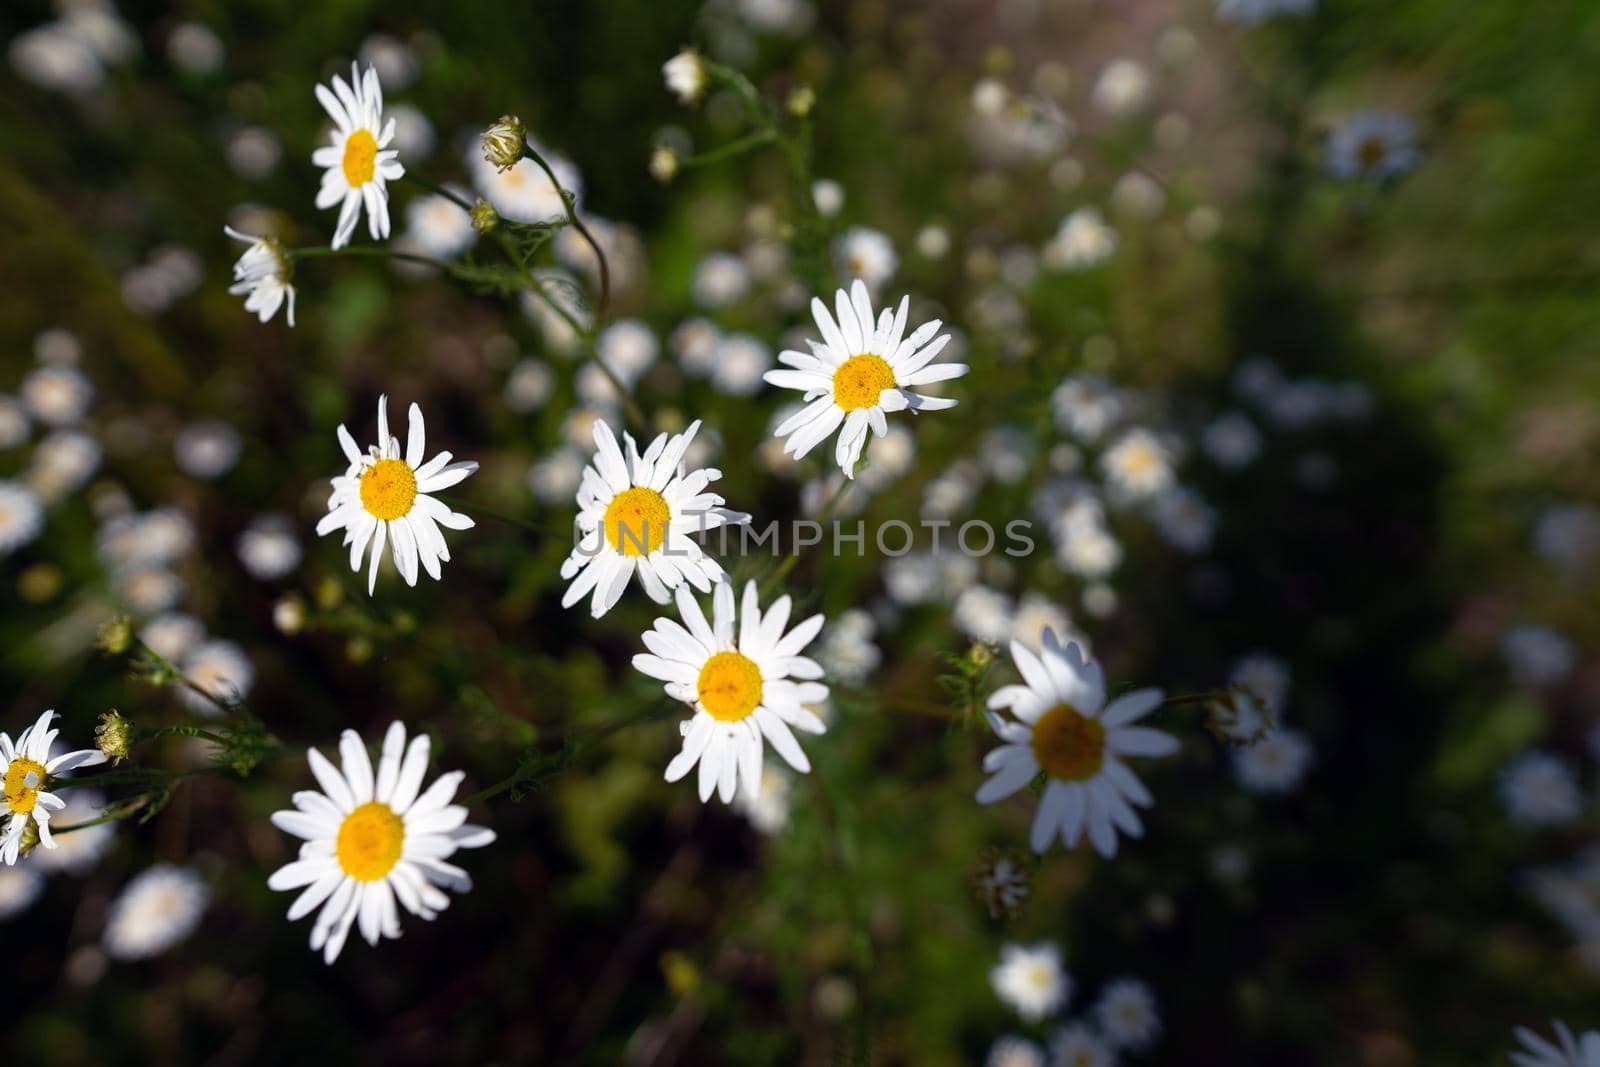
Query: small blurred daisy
point(1013, 1051)
point(159, 908)
point(414, 137)
point(737, 671)
point(629, 347)
point(720, 280)
point(14, 423)
point(529, 386)
point(866, 254)
point(1372, 144)
point(738, 364)
point(859, 373)
point(695, 343)
point(1566, 1051)
point(1537, 655)
point(1002, 883)
point(268, 548)
point(21, 517)
point(383, 496)
point(635, 515)
point(1086, 406)
point(1275, 764)
point(846, 650)
point(828, 195)
point(1029, 980)
point(207, 449)
point(1265, 676)
point(172, 635)
point(1231, 440)
point(57, 395)
point(685, 75)
point(1541, 790)
point(261, 275)
point(555, 478)
point(1079, 1046)
point(982, 613)
point(219, 669)
point(148, 590)
point(195, 49)
point(253, 152)
point(1568, 536)
point(1122, 89)
point(28, 769)
point(1064, 727)
point(1138, 465)
point(767, 808)
point(19, 888)
point(1126, 1012)
point(371, 840)
point(437, 226)
point(1185, 520)
point(1085, 547)
point(1239, 716)
point(77, 852)
point(358, 162)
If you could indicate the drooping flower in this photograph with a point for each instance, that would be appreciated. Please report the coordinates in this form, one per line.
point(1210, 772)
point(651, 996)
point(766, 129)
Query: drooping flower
point(1064, 727)
point(635, 516)
point(372, 840)
point(358, 161)
point(861, 371)
point(383, 496)
point(746, 679)
point(261, 275)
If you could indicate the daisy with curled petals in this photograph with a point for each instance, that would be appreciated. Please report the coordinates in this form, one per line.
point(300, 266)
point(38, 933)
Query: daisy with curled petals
point(1064, 727)
point(741, 682)
point(358, 159)
point(635, 515)
point(370, 841)
point(384, 497)
point(862, 370)
point(28, 771)
point(262, 276)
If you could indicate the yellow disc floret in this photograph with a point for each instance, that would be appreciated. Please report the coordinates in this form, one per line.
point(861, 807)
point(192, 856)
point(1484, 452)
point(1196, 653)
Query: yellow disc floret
point(729, 686)
point(360, 157)
point(1068, 745)
point(859, 380)
point(24, 779)
point(388, 489)
point(370, 841)
point(636, 521)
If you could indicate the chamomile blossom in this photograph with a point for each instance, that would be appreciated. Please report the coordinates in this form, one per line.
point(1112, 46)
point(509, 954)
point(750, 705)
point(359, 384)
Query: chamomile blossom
point(1565, 1051)
point(1126, 1012)
point(862, 370)
point(1139, 465)
point(371, 840)
point(261, 275)
point(1274, 764)
point(383, 496)
point(358, 160)
point(28, 770)
point(159, 908)
point(1064, 727)
point(1373, 144)
point(635, 514)
point(1030, 980)
point(746, 678)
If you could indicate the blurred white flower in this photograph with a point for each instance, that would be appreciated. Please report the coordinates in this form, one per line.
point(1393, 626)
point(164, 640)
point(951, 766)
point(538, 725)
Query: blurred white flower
point(148, 590)
point(172, 635)
point(207, 449)
point(1569, 537)
point(629, 348)
point(828, 195)
point(1537, 655)
point(1037, 613)
point(1252, 12)
point(529, 386)
point(845, 649)
point(685, 75)
point(1076, 1045)
point(1138, 196)
point(19, 888)
point(195, 49)
point(554, 479)
point(1275, 764)
point(767, 808)
point(57, 396)
point(738, 364)
point(1013, 1051)
point(1231, 440)
point(1372, 144)
point(269, 548)
point(1083, 240)
point(1086, 406)
point(14, 424)
point(1127, 1016)
point(1006, 452)
point(219, 669)
point(413, 133)
point(1123, 88)
point(933, 241)
point(524, 193)
point(1568, 1051)
point(1030, 980)
point(1264, 676)
point(720, 280)
point(982, 613)
point(253, 152)
point(393, 59)
point(53, 57)
point(1185, 520)
point(21, 517)
point(867, 254)
point(695, 342)
point(438, 227)
point(1541, 790)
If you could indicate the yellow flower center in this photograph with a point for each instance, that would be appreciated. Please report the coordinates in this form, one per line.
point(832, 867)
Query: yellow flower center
point(857, 383)
point(360, 157)
point(729, 686)
point(388, 489)
point(1371, 152)
point(1068, 745)
point(370, 841)
point(636, 521)
point(24, 779)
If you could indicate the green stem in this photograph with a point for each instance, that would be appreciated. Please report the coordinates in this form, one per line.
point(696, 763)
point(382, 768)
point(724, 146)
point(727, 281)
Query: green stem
point(370, 252)
point(793, 558)
point(584, 740)
point(577, 224)
point(730, 150)
point(500, 516)
point(181, 730)
point(438, 190)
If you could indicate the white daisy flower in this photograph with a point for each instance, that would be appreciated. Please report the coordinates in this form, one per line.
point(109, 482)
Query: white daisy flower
point(1086, 406)
point(1064, 727)
point(159, 908)
point(859, 373)
point(172, 635)
point(1139, 465)
point(14, 423)
point(868, 255)
point(21, 517)
point(685, 75)
point(1373, 144)
point(383, 496)
point(982, 613)
point(220, 669)
point(261, 275)
point(268, 548)
point(1231, 440)
point(738, 364)
point(1013, 1051)
point(1079, 1046)
point(437, 226)
point(635, 514)
point(1274, 764)
point(358, 159)
point(1537, 655)
point(720, 280)
point(1122, 88)
point(57, 395)
point(371, 840)
point(1567, 536)
point(1029, 979)
point(1126, 1012)
point(19, 888)
point(208, 448)
point(1570, 1052)
point(741, 684)
point(28, 770)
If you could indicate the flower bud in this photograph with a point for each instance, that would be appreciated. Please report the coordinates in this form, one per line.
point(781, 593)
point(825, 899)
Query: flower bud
point(484, 217)
point(116, 635)
point(113, 736)
point(801, 101)
point(663, 164)
point(289, 614)
point(685, 75)
point(503, 141)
